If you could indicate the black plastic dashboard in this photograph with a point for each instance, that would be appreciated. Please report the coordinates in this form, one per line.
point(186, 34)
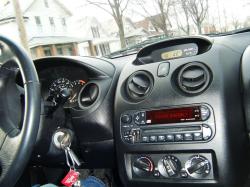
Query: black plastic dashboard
point(181, 148)
point(177, 113)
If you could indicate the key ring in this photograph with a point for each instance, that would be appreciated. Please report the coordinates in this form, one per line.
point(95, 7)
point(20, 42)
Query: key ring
point(68, 162)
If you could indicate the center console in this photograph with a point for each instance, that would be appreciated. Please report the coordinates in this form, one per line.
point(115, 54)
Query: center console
point(179, 122)
point(187, 124)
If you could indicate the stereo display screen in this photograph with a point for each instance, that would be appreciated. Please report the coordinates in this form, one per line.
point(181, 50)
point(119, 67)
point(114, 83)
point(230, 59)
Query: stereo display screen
point(173, 115)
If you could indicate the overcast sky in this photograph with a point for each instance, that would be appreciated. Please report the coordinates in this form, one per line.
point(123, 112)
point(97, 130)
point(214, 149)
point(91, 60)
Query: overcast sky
point(236, 8)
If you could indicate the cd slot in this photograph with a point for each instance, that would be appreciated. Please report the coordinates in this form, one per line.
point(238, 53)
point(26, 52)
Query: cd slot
point(172, 130)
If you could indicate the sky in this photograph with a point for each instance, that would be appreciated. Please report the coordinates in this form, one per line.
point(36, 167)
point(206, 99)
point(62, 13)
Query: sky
point(227, 9)
point(236, 8)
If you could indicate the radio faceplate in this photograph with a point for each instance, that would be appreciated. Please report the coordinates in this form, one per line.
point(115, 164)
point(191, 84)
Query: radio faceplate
point(182, 124)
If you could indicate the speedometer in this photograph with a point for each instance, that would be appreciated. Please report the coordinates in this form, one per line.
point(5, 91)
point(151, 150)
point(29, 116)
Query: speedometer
point(62, 83)
point(59, 85)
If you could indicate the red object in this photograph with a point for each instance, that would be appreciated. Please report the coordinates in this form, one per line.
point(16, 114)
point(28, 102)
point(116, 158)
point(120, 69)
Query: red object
point(70, 179)
point(174, 115)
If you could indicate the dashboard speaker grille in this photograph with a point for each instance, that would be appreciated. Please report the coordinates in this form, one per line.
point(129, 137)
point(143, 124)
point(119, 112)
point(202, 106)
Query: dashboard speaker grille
point(139, 85)
point(193, 78)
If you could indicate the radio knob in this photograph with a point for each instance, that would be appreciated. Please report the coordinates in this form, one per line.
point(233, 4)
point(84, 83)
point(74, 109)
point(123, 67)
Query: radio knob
point(169, 166)
point(198, 166)
point(126, 118)
point(143, 166)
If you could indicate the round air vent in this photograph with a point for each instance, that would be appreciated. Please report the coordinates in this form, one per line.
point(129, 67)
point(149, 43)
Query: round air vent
point(193, 78)
point(88, 95)
point(139, 85)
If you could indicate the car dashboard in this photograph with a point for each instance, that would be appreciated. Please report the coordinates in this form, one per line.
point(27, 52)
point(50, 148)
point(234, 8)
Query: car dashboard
point(174, 114)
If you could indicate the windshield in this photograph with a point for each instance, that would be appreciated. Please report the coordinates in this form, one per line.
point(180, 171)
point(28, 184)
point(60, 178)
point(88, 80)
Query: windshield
point(113, 27)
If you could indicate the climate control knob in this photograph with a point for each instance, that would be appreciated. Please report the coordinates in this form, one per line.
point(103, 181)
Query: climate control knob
point(143, 166)
point(169, 166)
point(198, 166)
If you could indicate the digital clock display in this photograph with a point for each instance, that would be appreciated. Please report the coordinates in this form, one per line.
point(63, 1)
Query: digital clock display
point(172, 54)
point(174, 115)
point(179, 51)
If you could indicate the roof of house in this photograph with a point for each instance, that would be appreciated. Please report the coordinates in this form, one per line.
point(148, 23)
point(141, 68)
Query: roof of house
point(136, 32)
point(49, 40)
point(7, 10)
point(142, 24)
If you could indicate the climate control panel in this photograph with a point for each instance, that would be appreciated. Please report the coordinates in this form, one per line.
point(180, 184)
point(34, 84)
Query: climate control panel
point(184, 166)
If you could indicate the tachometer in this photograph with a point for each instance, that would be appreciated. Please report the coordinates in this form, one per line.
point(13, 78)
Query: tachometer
point(77, 85)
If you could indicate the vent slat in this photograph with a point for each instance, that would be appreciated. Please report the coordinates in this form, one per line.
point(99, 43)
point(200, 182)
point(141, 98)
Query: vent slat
point(136, 90)
point(141, 81)
point(193, 74)
point(193, 84)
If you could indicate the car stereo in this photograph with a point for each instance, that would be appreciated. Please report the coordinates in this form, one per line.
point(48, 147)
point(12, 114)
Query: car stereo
point(180, 124)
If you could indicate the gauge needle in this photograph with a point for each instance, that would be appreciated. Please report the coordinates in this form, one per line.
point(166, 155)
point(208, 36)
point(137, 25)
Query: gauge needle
point(73, 97)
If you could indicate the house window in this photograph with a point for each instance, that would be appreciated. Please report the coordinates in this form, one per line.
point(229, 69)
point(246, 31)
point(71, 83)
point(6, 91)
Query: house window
point(47, 51)
point(59, 50)
point(46, 3)
point(51, 21)
point(38, 21)
point(95, 32)
point(68, 50)
point(105, 50)
point(63, 22)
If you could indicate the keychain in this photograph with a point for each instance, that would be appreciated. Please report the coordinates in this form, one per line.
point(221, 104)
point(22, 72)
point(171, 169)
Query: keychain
point(72, 177)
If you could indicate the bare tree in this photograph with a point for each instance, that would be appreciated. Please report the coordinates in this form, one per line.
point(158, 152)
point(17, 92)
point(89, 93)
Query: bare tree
point(116, 9)
point(235, 22)
point(180, 9)
point(198, 10)
point(161, 20)
point(21, 26)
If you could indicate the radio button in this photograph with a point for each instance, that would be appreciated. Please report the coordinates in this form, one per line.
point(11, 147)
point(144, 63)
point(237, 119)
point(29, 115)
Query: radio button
point(170, 137)
point(197, 136)
point(207, 132)
point(137, 118)
point(178, 137)
point(145, 139)
point(161, 138)
point(143, 118)
point(126, 133)
point(188, 137)
point(127, 139)
point(205, 112)
point(153, 138)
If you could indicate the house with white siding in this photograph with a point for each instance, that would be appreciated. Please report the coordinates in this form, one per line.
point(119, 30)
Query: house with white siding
point(91, 29)
point(46, 23)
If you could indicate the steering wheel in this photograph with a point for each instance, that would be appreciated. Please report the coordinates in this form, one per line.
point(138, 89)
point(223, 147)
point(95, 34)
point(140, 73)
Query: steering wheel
point(19, 111)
